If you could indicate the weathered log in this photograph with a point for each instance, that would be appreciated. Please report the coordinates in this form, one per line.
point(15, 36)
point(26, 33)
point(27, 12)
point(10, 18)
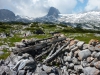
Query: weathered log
point(74, 49)
point(52, 51)
point(43, 53)
point(38, 46)
point(56, 53)
point(33, 42)
point(30, 48)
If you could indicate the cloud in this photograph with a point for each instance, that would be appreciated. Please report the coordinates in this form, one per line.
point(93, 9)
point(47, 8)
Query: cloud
point(93, 5)
point(37, 8)
point(65, 6)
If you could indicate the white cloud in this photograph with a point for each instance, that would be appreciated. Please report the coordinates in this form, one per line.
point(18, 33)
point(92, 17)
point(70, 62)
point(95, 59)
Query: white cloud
point(37, 8)
point(93, 5)
point(65, 6)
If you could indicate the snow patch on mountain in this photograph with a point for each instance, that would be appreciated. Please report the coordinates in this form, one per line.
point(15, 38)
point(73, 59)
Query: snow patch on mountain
point(93, 16)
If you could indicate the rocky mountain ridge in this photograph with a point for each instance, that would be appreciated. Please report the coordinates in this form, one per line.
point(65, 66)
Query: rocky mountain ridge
point(7, 15)
point(88, 20)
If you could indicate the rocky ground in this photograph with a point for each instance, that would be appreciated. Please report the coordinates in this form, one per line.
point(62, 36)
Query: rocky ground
point(58, 55)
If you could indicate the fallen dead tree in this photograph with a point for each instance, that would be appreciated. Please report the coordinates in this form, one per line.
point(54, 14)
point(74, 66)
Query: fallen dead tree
point(56, 53)
point(38, 46)
point(53, 56)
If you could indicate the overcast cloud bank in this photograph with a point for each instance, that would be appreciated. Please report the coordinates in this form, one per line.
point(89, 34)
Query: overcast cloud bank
point(38, 8)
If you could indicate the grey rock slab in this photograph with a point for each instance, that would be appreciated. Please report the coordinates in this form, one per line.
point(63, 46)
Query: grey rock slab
point(92, 63)
point(85, 46)
point(21, 72)
point(38, 69)
point(97, 64)
point(84, 54)
point(92, 48)
point(97, 47)
point(67, 58)
point(7, 61)
point(42, 73)
point(12, 48)
point(52, 74)
point(84, 63)
point(80, 44)
point(75, 61)
point(46, 68)
point(91, 71)
point(1, 53)
point(24, 62)
point(96, 55)
point(66, 63)
point(71, 65)
point(28, 73)
point(82, 74)
point(4, 70)
point(13, 72)
point(93, 54)
point(78, 68)
point(72, 74)
point(19, 44)
point(89, 59)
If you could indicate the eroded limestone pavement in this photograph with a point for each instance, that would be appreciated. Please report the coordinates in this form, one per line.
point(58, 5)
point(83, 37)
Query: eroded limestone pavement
point(57, 55)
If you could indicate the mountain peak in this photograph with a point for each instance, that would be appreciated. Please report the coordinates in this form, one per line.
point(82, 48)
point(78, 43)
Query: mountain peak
point(53, 12)
point(6, 14)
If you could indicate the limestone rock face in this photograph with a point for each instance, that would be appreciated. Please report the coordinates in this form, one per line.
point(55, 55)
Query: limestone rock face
point(53, 12)
point(7, 15)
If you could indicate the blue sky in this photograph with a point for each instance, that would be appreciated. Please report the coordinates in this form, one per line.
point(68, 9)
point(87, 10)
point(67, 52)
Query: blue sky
point(80, 6)
point(38, 8)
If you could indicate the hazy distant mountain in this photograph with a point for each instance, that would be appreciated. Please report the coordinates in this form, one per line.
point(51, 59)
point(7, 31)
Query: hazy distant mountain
point(53, 12)
point(51, 16)
point(7, 15)
point(90, 20)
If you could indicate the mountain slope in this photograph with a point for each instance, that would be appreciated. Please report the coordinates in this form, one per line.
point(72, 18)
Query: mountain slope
point(6, 15)
point(93, 16)
point(53, 12)
point(89, 20)
point(52, 16)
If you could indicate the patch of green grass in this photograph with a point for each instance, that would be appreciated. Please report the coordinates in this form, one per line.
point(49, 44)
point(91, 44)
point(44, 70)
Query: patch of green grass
point(41, 36)
point(5, 50)
point(86, 37)
point(5, 55)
